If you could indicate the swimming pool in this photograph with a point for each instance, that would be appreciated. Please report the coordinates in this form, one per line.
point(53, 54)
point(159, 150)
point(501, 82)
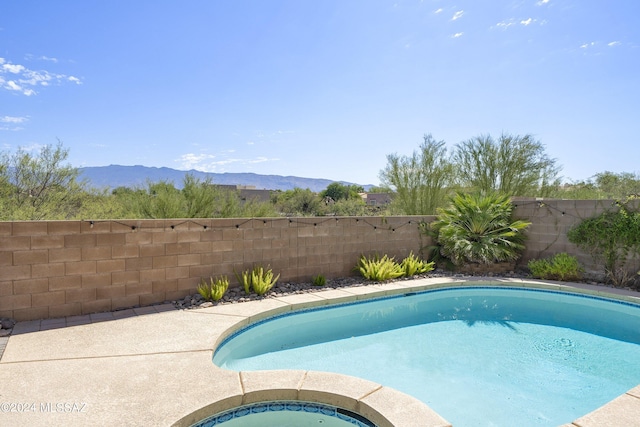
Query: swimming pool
point(547, 356)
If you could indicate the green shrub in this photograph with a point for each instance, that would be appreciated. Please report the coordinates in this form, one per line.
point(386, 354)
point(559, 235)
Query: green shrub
point(204, 290)
point(244, 279)
point(262, 280)
point(319, 280)
point(561, 266)
point(412, 265)
point(213, 290)
point(479, 229)
point(219, 287)
point(379, 269)
point(612, 237)
point(258, 279)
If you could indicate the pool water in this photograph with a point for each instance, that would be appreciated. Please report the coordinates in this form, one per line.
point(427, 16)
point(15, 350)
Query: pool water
point(478, 356)
point(285, 414)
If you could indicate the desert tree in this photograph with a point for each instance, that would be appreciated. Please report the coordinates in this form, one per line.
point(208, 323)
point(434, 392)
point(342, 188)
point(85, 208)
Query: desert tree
point(338, 191)
point(196, 199)
point(297, 202)
point(350, 207)
point(421, 181)
point(617, 185)
point(40, 185)
point(513, 165)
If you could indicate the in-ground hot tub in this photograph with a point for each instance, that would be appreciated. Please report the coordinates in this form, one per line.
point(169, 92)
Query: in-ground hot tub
point(285, 414)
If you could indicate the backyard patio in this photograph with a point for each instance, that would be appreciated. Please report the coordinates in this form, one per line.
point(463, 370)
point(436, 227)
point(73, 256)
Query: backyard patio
point(153, 366)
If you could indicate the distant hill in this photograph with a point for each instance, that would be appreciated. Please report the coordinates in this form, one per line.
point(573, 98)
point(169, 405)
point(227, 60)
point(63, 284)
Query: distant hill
point(133, 176)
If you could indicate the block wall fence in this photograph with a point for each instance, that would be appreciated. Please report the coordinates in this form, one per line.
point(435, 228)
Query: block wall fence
point(54, 269)
point(551, 220)
point(63, 268)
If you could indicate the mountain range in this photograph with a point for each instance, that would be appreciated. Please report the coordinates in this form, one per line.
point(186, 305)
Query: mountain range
point(114, 176)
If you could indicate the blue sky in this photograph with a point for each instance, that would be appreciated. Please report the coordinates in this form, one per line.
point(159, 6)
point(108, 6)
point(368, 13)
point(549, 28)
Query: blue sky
point(318, 88)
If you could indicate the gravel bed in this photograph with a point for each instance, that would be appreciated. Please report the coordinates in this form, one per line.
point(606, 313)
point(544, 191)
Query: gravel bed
point(237, 295)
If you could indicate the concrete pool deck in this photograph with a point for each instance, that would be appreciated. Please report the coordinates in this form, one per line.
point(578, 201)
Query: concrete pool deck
point(152, 366)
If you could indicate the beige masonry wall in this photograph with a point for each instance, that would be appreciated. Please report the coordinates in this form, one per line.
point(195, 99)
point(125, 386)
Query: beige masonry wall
point(552, 219)
point(63, 268)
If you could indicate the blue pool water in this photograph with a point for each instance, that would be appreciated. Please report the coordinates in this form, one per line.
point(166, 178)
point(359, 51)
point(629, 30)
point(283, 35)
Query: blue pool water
point(479, 356)
point(285, 414)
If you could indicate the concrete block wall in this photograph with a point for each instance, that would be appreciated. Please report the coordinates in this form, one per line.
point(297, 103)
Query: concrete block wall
point(551, 220)
point(63, 268)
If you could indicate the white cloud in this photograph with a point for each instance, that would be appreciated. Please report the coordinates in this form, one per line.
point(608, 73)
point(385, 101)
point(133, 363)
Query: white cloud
point(614, 43)
point(505, 24)
point(542, 2)
point(457, 15)
point(9, 119)
point(457, 35)
point(11, 123)
point(35, 147)
point(211, 163)
point(13, 68)
point(222, 163)
point(11, 85)
point(30, 57)
point(261, 160)
point(440, 10)
point(512, 22)
point(190, 160)
point(587, 45)
point(24, 80)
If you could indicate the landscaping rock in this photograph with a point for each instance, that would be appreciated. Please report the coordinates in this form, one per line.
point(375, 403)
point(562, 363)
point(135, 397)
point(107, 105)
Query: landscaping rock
point(237, 295)
point(6, 323)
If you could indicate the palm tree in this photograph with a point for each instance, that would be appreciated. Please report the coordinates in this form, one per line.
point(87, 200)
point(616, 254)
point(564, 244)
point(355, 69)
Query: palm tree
point(479, 228)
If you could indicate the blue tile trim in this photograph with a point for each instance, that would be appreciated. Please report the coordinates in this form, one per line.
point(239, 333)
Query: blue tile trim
point(444, 289)
point(289, 406)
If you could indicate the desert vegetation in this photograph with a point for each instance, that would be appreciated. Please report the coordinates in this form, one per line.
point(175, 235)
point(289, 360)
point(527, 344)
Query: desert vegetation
point(43, 186)
point(561, 266)
point(478, 228)
point(381, 268)
point(613, 239)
